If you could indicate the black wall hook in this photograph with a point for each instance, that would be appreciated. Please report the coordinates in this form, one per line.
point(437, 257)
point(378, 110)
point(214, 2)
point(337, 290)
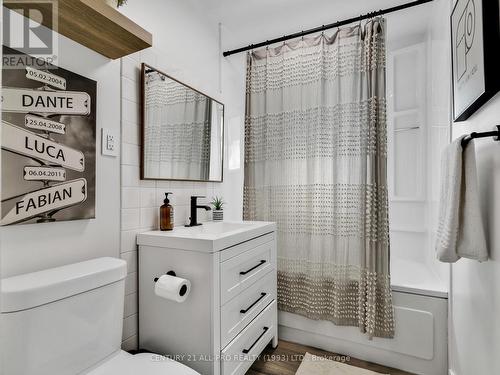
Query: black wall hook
point(170, 273)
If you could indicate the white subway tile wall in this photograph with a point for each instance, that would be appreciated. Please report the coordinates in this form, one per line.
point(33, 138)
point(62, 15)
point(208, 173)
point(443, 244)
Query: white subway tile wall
point(141, 200)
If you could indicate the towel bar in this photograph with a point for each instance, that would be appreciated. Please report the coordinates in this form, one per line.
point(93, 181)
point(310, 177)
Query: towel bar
point(471, 136)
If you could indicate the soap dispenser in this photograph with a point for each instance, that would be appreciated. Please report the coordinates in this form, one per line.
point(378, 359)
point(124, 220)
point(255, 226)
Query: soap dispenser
point(166, 214)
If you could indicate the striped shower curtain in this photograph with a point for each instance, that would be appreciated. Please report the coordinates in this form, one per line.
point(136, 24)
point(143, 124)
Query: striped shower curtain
point(315, 163)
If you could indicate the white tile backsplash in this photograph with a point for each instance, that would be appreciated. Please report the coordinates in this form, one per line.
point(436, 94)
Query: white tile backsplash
point(129, 327)
point(130, 90)
point(131, 197)
point(149, 197)
point(128, 240)
point(131, 133)
point(131, 177)
point(130, 154)
point(141, 199)
point(130, 305)
point(150, 56)
point(131, 218)
point(149, 217)
point(131, 283)
point(131, 343)
point(181, 215)
point(131, 258)
point(131, 69)
point(130, 111)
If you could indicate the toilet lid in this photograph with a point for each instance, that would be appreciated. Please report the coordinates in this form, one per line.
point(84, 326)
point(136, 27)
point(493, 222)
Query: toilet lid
point(144, 364)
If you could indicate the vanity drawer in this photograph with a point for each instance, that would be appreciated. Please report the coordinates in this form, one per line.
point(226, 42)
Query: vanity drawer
point(241, 271)
point(243, 308)
point(239, 355)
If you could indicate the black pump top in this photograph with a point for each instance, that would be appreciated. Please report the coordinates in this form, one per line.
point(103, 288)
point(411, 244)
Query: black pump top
point(167, 201)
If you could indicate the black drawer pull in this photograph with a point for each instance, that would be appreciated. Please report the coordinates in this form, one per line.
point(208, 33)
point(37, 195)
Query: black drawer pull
point(262, 295)
point(254, 267)
point(246, 351)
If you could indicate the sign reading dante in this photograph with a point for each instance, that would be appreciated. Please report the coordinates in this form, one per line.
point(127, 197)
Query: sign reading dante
point(48, 144)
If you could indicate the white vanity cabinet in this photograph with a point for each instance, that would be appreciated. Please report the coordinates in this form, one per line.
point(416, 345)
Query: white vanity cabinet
point(230, 314)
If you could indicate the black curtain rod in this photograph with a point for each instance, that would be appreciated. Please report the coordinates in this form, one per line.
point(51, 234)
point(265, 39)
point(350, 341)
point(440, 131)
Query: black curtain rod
point(326, 27)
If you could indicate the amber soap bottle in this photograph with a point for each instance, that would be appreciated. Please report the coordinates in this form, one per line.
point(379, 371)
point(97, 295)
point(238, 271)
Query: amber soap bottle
point(166, 214)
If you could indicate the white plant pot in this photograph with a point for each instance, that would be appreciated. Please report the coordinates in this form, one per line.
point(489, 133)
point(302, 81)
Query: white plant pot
point(218, 215)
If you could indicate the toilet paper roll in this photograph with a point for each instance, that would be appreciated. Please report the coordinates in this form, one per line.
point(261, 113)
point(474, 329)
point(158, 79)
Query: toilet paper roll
point(172, 288)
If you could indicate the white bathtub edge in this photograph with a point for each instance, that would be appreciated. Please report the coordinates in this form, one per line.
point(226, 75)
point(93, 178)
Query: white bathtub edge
point(421, 292)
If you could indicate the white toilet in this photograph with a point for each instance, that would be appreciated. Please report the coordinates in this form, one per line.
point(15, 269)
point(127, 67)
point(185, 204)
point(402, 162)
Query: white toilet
point(68, 320)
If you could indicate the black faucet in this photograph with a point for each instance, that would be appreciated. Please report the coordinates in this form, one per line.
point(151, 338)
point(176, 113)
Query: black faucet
point(193, 221)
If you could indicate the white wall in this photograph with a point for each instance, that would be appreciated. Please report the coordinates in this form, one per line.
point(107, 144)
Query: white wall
point(475, 287)
point(438, 118)
point(32, 247)
point(185, 46)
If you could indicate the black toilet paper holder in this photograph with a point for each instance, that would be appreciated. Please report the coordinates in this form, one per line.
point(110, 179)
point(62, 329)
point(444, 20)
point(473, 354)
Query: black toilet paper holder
point(170, 273)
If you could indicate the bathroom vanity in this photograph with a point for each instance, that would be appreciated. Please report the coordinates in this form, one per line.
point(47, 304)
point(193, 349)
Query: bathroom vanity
point(230, 314)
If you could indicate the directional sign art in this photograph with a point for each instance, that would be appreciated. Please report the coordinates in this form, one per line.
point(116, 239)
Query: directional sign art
point(45, 77)
point(41, 123)
point(26, 143)
point(44, 174)
point(40, 101)
point(45, 200)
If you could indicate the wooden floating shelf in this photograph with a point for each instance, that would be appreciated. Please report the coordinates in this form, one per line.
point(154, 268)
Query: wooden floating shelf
point(97, 26)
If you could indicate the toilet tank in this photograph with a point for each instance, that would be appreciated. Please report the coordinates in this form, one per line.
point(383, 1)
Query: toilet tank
point(62, 320)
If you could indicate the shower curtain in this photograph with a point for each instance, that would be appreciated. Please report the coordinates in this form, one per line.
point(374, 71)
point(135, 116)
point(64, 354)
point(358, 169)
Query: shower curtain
point(177, 130)
point(315, 163)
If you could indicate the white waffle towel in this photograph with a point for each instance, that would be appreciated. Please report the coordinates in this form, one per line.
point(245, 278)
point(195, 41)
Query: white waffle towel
point(460, 230)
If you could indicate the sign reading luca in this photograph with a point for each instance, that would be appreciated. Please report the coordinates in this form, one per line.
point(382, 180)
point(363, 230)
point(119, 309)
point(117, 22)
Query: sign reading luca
point(37, 147)
point(45, 200)
point(52, 102)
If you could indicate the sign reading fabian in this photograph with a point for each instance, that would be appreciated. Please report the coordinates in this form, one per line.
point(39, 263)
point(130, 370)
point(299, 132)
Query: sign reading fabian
point(48, 144)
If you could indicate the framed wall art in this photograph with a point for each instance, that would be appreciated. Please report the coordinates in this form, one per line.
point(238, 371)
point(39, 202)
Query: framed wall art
point(48, 142)
point(475, 45)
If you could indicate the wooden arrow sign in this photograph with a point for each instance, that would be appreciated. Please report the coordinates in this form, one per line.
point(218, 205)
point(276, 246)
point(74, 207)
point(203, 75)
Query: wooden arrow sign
point(47, 102)
point(41, 123)
point(26, 143)
point(44, 174)
point(45, 77)
point(45, 200)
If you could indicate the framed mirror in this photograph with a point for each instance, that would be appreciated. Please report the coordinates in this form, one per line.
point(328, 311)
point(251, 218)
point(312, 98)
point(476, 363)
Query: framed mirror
point(182, 130)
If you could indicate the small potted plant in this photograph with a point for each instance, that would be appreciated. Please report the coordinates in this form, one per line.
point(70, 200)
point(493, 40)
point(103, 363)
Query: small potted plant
point(218, 214)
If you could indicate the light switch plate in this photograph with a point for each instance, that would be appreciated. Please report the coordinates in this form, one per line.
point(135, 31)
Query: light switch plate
point(109, 142)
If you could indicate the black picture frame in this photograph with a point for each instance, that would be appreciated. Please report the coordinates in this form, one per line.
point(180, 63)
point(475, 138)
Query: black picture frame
point(469, 94)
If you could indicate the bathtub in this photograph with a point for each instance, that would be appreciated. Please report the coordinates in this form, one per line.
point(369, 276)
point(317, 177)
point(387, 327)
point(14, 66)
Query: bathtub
point(420, 343)
point(409, 276)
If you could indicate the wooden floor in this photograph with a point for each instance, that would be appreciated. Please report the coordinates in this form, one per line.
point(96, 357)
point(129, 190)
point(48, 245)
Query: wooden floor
point(286, 358)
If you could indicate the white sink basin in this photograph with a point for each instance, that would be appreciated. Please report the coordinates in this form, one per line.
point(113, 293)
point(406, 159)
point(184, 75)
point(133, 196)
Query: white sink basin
point(209, 237)
point(212, 230)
